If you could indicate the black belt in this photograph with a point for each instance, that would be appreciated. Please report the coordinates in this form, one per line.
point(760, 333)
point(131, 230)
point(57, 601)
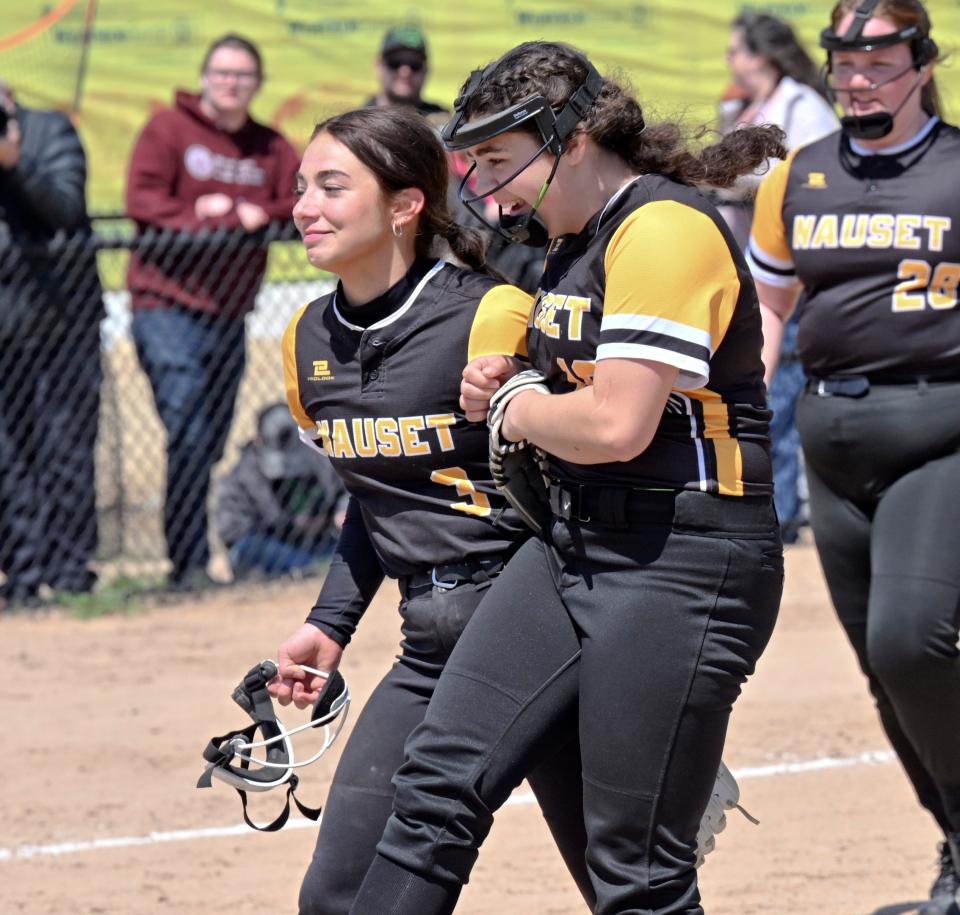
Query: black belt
point(859, 385)
point(448, 577)
point(616, 506)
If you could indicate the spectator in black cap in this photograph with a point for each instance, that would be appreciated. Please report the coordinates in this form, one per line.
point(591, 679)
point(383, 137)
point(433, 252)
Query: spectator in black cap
point(280, 508)
point(401, 68)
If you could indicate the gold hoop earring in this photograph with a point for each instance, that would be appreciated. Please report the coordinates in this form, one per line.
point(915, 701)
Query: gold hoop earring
point(397, 229)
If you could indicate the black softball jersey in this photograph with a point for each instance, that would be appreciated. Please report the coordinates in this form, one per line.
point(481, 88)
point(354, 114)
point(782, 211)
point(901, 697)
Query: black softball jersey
point(871, 237)
point(657, 275)
point(382, 402)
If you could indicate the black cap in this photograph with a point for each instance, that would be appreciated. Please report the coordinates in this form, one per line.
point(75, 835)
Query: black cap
point(404, 38)
point(281, 455)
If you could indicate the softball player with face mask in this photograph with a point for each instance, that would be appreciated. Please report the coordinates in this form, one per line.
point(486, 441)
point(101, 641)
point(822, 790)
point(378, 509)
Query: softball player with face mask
point(654, 588)
point(865, 222)
point(372, 374)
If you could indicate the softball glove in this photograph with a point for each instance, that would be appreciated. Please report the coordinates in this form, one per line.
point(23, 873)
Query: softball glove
point(517, 467)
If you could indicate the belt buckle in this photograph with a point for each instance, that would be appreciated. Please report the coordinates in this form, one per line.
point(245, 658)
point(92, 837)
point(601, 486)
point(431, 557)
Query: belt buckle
point(565, 502)
point(441, 585)
point(571, 509)
point(822, 389)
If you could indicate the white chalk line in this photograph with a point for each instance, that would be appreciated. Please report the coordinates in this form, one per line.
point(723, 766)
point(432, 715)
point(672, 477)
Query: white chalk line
point(23, 852)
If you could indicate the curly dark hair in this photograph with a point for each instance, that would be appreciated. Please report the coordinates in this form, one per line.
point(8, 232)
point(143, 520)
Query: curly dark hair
point(615, 122)
point(402, 150)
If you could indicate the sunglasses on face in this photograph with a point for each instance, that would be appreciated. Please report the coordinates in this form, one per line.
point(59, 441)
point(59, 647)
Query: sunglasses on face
point(395, 62)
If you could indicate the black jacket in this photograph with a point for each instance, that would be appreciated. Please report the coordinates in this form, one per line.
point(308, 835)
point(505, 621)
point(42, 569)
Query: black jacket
point(48, 271)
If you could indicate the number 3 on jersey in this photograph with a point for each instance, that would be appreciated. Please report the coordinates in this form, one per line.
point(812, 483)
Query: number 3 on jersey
point(916, 289)
point(457, 476)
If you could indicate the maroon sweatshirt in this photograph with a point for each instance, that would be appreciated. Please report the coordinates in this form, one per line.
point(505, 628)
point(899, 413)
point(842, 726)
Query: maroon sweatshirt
point(179, 156)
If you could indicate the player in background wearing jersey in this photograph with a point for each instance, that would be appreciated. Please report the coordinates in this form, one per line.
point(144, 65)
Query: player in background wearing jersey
point(867, 223)
point(653, 592)
point(372, 374)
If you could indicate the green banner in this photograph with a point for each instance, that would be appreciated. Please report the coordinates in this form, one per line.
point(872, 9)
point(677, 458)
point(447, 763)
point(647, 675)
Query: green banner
point(114, 62)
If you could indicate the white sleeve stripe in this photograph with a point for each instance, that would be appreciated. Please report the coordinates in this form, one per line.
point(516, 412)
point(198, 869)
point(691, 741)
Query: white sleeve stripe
point(657, 325)
point(693, 368)
point(771, 279)
point(776, 262)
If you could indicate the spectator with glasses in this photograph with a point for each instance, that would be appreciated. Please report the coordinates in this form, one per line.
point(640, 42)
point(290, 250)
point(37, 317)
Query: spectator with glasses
point(204, 179)
point(401, 68)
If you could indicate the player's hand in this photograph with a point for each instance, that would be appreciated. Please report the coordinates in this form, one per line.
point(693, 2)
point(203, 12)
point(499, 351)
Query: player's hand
point(252, 216)
point(10, 146)
point(212, 206)
point(308, 645)
point(481, 377)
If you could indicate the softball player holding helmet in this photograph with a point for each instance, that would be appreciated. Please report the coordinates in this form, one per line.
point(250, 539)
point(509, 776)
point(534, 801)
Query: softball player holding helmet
point(652, 593)
point(372, 375)
point(866, 222)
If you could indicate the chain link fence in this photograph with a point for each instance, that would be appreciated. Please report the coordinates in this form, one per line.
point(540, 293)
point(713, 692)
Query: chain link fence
point(137, 439)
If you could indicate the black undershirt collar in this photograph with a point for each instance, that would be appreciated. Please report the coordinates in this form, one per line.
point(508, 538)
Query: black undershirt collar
point(388, 302)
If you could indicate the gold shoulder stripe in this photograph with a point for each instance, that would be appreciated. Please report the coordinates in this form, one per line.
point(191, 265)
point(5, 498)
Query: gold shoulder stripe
point(768, 236)
point(290, 378)
point(670, 261)
point(500, 323)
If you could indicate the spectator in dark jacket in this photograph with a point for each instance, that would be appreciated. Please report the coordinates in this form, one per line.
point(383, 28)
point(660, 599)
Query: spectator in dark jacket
point(281, 507)
point(208, 169)
point(51, 304)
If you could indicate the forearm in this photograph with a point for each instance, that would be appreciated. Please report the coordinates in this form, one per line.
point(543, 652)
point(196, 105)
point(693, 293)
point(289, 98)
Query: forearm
point(354, 576)
point(614, 419)
point(772, 341)
point(569, 426)
point(776, 305)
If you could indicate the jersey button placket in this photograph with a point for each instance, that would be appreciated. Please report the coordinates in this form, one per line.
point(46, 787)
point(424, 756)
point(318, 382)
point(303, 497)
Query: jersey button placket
point(371, 363)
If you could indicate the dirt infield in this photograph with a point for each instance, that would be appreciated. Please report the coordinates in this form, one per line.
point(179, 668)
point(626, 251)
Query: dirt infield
point(104, 722)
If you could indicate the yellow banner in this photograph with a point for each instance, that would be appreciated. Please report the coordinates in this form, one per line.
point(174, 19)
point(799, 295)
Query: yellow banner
point(114, 62)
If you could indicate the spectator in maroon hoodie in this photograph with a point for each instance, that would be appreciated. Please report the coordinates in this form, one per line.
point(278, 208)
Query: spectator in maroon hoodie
point(204, 178)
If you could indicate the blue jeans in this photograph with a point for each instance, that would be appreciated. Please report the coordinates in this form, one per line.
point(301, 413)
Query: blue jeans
point(194, 362)
point(785, 390)
point(275, 556)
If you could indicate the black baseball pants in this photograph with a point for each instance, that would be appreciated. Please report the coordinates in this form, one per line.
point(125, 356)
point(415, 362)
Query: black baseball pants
point(361, 795)
point(884, 473)
point(647, 633)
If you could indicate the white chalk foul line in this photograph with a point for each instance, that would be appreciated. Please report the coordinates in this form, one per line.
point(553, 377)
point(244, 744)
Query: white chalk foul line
point(22, 852)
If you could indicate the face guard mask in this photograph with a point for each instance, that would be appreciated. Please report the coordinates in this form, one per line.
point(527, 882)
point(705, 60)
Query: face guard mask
point(553, 129)
point(877, 124)
point(276, 766)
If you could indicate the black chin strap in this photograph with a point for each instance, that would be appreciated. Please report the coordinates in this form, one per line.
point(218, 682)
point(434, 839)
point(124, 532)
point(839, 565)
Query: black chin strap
point(311, 813)
point(254, 698)
point(218, 757)
point(877, 124)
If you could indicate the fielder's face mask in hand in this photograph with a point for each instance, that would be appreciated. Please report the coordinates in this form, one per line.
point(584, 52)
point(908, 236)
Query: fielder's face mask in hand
point(274, 767)
point(876, 124)
point(554, 129)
